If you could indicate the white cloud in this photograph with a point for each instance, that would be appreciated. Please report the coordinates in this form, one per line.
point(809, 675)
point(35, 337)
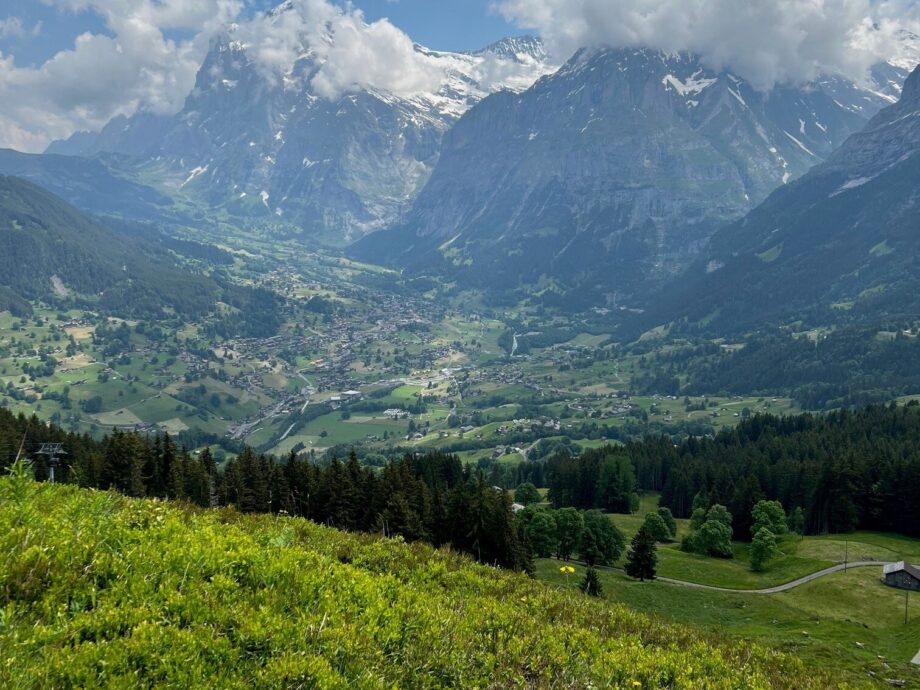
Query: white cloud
point(102, 76)
point(138, 68)
point(13, 27)
point(135, 65)
point(764, 41)
point(352, 53)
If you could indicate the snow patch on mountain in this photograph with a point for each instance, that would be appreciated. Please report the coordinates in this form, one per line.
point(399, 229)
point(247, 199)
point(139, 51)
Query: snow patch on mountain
point(691, 87)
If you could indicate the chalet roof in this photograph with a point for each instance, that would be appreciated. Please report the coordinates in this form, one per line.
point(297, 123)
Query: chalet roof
point(906, 567)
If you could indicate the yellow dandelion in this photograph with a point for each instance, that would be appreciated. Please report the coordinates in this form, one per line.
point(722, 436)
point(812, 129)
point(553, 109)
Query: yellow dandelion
point(637, 684)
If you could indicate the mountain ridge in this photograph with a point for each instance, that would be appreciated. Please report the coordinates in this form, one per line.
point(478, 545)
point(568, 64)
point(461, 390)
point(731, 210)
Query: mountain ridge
point(840, 244)
point(338, 167)
point(623, 162)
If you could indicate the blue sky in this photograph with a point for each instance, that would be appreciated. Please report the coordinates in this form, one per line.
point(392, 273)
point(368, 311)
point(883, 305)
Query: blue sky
point(56, 31)
point(439, 24)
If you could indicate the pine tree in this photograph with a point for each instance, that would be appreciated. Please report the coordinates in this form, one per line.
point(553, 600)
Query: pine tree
point(591, 583)
point(642, 559)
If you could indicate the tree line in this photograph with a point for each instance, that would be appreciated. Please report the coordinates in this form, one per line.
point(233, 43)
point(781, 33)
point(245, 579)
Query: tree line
point(431, 497)
point(844, 470)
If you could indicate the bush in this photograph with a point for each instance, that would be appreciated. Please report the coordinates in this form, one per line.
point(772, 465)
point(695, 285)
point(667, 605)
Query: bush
point(657, 527)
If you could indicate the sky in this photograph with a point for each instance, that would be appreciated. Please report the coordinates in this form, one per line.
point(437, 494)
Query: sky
point(70, 65)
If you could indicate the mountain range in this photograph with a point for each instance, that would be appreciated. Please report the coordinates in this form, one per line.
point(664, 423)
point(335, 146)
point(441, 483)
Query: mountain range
point(841, 244)
point(253, 145)
point(592, 185)
point(607, 177)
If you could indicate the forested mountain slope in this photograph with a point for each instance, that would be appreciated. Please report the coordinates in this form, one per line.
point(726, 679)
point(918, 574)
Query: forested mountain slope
point(49, 250)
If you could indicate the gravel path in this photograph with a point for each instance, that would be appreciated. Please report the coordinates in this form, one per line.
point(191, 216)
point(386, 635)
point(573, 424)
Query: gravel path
point(779, 588)
point(782, 588)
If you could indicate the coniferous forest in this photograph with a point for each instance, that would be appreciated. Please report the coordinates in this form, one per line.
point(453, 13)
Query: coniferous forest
point(846, 470)
point(430, 497)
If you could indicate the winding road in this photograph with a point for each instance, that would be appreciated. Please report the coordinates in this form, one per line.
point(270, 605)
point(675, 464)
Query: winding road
point(785, 587)
point(779, 588)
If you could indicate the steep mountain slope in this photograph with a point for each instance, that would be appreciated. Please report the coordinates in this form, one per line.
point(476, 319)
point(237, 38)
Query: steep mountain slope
point(94, 185)
point(258, 145)
point(49, 250)
point(607, 176)
point(841, 244)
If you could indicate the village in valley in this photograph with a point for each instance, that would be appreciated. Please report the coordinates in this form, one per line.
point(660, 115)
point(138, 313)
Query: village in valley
point(352, 368)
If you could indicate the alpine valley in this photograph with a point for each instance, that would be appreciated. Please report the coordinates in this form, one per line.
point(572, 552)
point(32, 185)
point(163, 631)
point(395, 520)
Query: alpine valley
point(503, 368)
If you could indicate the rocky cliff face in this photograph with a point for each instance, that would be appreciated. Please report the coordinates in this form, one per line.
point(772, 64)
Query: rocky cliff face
point(251, 145)
point(608, 176)
point(838, 245)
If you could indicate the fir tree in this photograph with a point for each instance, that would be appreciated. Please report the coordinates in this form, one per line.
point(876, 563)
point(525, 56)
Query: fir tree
point(642, 559)
point(591, 583)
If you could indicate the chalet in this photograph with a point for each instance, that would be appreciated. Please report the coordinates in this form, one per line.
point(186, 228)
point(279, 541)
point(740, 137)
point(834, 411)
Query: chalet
point(903, 576)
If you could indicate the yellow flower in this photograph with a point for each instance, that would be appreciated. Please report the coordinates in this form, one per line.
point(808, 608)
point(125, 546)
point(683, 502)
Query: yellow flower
point(637, 684)
point(562, 569)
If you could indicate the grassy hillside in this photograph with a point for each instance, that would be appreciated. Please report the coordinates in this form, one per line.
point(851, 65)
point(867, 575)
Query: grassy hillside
point(98, 590)
point(848, 621)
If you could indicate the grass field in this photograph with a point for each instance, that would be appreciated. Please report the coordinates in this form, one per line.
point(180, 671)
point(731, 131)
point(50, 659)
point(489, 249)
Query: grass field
point(821, 622)
point(103, 591)
point(797, 557)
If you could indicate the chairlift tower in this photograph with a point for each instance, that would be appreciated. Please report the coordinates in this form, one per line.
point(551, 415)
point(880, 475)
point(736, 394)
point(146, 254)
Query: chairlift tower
point(53, 451)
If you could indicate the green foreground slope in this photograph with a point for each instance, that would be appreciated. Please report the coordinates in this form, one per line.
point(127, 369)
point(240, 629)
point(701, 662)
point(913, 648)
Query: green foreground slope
point(98, 590)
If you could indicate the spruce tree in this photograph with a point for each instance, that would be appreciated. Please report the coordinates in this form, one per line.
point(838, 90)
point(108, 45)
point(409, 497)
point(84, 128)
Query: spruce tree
point(591, 583)
point(642, 559)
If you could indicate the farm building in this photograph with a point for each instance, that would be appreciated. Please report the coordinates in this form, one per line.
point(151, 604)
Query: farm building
point(903, 576)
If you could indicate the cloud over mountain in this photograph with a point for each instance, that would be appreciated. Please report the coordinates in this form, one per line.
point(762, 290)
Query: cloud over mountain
point(765, 41)
point(139, 64)
point(352, 53)
point(147, 55)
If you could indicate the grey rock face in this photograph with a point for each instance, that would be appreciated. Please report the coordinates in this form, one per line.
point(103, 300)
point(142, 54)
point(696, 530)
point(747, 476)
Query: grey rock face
point(256, 146)
point(610, 175)
point(839, 245)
